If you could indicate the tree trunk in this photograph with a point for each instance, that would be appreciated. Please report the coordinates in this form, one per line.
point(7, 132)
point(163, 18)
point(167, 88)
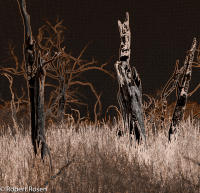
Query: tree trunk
point(35, 71)
point(183, 90)
point(130, 89)
point(29, 58)
point(62, 100)
point(39, 110)
point(31, 85)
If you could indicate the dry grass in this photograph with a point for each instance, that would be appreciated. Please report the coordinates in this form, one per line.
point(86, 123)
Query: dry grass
point(98, 161)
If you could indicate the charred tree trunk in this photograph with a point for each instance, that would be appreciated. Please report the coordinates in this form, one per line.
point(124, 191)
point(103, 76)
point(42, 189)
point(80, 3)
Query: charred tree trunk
point(130, 89)
point(31, 85)
point(35, 71)
point(29, 58)
point(183, 90)
point(39, 102)
point(170, 86)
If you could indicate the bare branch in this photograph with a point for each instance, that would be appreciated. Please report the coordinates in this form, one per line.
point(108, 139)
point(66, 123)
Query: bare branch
point(196, 88)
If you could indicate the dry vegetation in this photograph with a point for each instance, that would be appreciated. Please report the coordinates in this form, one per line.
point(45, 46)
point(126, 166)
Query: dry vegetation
point(95, 160)
point(90, 156)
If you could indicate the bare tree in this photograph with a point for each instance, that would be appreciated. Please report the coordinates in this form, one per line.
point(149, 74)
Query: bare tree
point(130, 88)
point(65, 72)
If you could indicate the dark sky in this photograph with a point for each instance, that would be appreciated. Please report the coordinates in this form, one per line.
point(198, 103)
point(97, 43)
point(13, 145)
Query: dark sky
point(161, 33)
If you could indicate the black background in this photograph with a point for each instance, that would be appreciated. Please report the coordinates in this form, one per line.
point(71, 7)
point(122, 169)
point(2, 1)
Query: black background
point(162, 31)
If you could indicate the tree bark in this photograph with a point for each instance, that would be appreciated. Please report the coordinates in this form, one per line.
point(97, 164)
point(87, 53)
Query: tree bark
point(39, 102)
point(35, 71)
point(130, 89)
point(31, 86)
point(183, 90)
point(29, 58)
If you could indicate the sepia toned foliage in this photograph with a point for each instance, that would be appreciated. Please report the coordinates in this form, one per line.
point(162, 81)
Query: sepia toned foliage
point(45, 58)
point(65, 72)
point(95, 160)
point(88, 156)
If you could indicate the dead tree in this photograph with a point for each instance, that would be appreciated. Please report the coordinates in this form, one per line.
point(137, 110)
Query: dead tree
point(130, 88)
point(35, 71)
point(169, 87)
point(29, 58)
point(65, 71)
point(39, 105)
point(182, 90)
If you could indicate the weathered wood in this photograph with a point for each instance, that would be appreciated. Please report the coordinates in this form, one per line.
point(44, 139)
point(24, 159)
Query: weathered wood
point(29, 58)
point(29, 43)
point(39, 102)
point(31, 85)
point(183, 90)
point(130, 89)
point(35, 71)
point(170, 86)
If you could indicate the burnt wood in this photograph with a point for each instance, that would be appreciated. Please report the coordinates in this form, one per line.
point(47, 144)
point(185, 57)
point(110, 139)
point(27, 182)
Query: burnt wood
point(35, 74)
point(183, 88)
point(130, 88)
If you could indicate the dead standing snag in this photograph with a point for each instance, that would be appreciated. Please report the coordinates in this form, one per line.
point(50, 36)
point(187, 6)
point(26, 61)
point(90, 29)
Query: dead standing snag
point(29, 58)
point(35, 74)
point(130, 89)
point(182, 88)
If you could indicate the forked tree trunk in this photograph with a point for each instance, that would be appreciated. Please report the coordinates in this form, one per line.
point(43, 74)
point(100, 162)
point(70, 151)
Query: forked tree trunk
point(183, 90)
point(130, 89)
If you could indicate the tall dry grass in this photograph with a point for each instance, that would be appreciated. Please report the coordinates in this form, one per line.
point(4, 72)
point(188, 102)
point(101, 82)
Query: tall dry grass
point(93, 159)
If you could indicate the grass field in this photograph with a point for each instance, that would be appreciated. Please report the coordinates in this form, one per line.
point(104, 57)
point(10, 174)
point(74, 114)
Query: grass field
point(92, 159)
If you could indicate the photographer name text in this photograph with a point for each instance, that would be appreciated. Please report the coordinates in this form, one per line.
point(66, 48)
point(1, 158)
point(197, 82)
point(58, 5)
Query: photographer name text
point(22, 189)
